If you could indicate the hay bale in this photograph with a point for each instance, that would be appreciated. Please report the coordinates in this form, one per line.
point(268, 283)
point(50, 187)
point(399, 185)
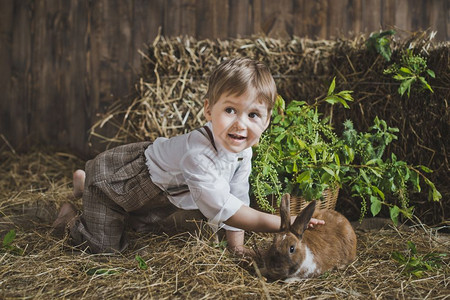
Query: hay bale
point(174, 77)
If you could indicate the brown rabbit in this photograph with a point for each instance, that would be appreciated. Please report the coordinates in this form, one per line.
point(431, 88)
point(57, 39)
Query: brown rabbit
point(301, 252)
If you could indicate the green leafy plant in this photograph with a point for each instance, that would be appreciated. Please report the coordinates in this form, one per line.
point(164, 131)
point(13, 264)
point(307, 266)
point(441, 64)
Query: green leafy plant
point(412, 68)
point(294, 155)
point(381, 43)
point(7, 245)
point(416, 264)
point(341, 97)
point(141, 262)
point(220, 245)
point(301, 154)
point(297, 153)
point(372, 176)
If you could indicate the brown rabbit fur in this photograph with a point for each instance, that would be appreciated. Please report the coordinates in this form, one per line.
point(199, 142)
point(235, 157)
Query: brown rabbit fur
point(301, 252)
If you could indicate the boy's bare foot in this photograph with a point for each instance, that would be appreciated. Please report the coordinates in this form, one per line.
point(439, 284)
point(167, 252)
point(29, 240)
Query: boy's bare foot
point(79, 177)
point(66, 217)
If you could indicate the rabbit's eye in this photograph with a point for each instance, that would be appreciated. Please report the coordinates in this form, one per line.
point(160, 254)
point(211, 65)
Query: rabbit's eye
point(291, 249)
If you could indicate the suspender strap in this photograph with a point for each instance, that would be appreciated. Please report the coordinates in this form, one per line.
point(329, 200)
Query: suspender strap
point(210, 135)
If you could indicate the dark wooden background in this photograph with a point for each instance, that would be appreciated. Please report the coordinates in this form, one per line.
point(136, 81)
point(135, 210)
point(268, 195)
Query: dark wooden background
point(64, 61)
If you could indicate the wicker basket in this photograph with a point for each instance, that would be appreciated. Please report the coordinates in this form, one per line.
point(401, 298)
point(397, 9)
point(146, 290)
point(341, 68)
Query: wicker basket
point(297, 204)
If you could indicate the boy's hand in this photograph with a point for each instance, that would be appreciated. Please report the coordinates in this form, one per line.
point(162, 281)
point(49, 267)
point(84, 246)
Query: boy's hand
point(312, 222)
point(315, 221)
point(235, 240)
point(242, 251)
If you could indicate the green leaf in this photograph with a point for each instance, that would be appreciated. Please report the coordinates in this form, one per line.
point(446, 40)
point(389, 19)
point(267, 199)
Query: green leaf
point(337, 159)
point(329, 171)
point(373, 161)
point(385, 52)
point(277, 119)
point(413, 262)
point(431, 73)
point(344, 103)
point(364, 175)
point(399, 257)
point(425, 83)
point(301, 143)
point(434, 194)
point(374, 171)
point(408, 212)
point(400, 77)
point(425, 169)
point(327, 177)
point(394, 212)
point(418, 274)
point(280, 103)
point(380, 43)
point(305, 176)
point(350, 153)
point(332, 86)
point(9, 238)
point(406, 86)
point(346, 95)
point(332, 99)
point(312, 153)
point(280, 137)
point(415, 180)
point(375, 208)
point(412, 247)
point(141, 263)
point(406, 71)
point(378, 191)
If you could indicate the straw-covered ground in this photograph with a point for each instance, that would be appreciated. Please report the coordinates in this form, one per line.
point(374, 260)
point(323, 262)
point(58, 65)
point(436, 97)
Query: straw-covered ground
point(36, 265)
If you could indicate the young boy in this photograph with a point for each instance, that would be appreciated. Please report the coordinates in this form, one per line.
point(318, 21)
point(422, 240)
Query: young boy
point(203, 173)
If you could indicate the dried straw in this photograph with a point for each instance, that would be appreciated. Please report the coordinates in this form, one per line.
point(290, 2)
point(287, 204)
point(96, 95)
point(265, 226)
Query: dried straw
point(182, 266)
point(174, 76)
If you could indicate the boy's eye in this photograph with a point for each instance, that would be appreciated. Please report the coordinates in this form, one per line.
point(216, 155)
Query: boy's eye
point(229, 110)
point(253, 115)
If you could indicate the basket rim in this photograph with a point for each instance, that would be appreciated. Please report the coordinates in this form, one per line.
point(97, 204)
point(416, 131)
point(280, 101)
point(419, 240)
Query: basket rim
point(298, 203)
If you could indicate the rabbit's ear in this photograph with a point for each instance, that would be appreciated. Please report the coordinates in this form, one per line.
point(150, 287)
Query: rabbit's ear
point(285, 213)
point(302, 220)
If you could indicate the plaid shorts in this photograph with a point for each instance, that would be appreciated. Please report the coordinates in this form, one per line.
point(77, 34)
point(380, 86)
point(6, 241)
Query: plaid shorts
point(118, 192)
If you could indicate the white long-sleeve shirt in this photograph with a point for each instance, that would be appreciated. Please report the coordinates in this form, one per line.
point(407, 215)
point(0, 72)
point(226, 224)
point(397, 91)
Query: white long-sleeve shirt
point(197, 176)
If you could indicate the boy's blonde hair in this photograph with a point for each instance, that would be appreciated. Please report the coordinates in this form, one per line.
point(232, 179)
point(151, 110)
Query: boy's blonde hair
point(236, 76)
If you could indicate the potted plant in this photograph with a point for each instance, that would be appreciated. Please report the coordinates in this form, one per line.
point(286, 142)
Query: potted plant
point(301, 154)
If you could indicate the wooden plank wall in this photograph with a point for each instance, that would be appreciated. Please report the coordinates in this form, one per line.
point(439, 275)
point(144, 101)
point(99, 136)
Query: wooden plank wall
point(62, 62)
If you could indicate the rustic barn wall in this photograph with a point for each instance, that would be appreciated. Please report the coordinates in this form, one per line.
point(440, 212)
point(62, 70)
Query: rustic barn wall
point(62, 62)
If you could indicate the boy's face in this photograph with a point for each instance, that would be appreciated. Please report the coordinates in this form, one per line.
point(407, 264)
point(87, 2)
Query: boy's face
point(237, 121)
